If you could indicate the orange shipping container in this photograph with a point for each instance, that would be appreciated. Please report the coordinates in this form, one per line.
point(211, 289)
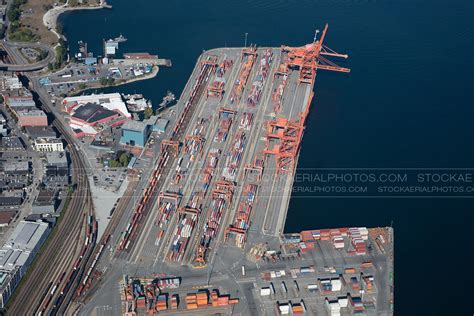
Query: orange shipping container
point(192, 306)
point(350, 270)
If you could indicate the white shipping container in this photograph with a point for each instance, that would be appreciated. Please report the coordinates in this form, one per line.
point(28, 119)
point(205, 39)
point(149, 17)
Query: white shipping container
point(265, 291)
point(343, 301)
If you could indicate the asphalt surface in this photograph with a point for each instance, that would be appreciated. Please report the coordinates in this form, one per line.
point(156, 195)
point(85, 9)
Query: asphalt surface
point(12, 48)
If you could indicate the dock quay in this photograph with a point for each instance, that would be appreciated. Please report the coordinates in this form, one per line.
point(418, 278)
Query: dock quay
point(214, 207)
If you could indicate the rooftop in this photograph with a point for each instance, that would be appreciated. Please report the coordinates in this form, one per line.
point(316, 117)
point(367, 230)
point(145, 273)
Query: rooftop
point(21, 102)
point(92, 112)
point(136, 126)
point(31, 112)
point(56, 158)
point(26, 235)
point(48, 141)
point(111, 101)
point(41, 132)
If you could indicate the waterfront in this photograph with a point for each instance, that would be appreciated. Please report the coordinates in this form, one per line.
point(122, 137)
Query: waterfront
point(407, 103)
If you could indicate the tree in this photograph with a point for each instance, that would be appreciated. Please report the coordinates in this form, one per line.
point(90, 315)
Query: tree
point(148, 112)
point(1, 99)
point(82, 86)
point(124, 159)
point(103, 81)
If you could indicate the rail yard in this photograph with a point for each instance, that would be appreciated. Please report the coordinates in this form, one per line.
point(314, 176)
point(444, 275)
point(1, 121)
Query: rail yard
point(205, 235)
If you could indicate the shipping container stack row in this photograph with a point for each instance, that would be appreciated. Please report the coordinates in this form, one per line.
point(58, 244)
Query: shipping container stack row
point(222, 195)
point(233, 159)
point(289, 307)
point(187, 219)
point(238, 230)
point(202, 299)
point(246, 121)
point(248, 58)
point(357, 236)
point(210, 166)
point(166, 209)
point(328, 285)
point(272, 275)
point(351, 304)
point(225, 122)
point(146, 295)
point(194, 143)
point(262, 73)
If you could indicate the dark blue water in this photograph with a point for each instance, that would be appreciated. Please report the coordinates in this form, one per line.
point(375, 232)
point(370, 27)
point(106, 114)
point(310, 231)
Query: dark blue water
point(408, 102)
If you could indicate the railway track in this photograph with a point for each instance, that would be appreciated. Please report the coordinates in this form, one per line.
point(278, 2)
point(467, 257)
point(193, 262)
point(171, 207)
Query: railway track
point(57, 255)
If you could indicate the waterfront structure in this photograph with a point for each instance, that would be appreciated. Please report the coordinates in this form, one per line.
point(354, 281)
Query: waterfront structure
point(91, 113)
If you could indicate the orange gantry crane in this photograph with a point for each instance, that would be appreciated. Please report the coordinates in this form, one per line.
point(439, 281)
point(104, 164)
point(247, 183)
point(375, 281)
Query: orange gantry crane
point(284, 135)
point(165, 143)
point(308, 59)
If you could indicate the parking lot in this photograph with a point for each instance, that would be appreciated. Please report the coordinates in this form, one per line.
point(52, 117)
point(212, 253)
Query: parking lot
point(77, 77)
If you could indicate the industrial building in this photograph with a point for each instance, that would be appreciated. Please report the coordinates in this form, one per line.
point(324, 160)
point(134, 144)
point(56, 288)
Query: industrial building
point(17, 254)
point(25, 111)
point(91, 113)
point(20, 103)
point(135, 133)
point(32, 117)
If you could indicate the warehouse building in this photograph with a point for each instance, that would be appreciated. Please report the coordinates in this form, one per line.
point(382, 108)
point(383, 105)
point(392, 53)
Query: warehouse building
point(18, 253)
point(92, 113)
point(32, 117)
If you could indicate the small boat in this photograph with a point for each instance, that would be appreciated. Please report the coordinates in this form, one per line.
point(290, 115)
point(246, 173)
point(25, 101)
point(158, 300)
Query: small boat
point(167, 100)
point(120, 39)
point(136, 102)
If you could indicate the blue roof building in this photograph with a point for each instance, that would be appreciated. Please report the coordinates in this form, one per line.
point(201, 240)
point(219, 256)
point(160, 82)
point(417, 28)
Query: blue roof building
point(89, 61)
point(135, 133)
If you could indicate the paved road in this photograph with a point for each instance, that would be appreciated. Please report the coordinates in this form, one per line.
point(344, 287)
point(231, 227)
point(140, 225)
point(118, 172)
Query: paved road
point(12, 46)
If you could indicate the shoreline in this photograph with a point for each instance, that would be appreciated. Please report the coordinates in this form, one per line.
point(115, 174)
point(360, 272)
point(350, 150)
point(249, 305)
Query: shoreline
point(151, 75)
point(50, 18)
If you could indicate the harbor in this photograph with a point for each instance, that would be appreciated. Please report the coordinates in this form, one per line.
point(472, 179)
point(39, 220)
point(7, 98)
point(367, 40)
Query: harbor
point(222, 184)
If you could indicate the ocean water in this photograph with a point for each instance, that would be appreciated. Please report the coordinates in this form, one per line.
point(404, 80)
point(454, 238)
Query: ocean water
point(408, 103)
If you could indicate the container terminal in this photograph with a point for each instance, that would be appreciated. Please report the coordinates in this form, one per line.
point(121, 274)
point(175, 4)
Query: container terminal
point(210, 218)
